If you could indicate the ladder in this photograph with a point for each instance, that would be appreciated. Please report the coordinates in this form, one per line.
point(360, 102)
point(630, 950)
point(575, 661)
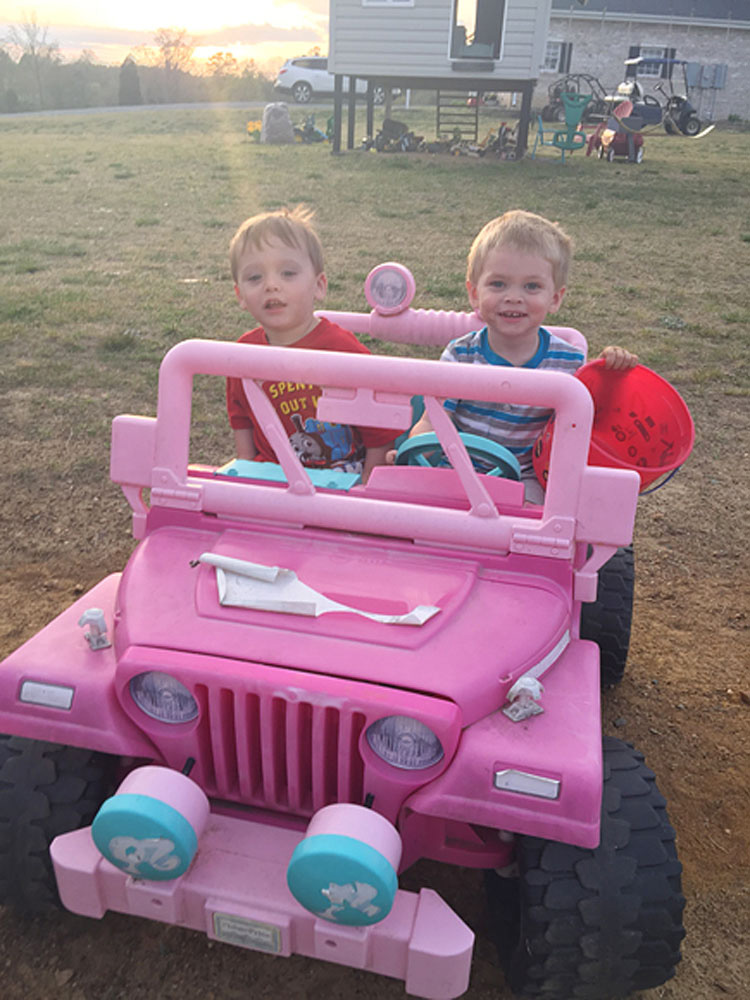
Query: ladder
point(457, 114)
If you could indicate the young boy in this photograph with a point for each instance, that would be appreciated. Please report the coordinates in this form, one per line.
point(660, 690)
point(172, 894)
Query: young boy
point(277, 267)
point(516, 274)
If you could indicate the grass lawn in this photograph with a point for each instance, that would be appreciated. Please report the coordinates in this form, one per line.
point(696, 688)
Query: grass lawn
point(115, 229)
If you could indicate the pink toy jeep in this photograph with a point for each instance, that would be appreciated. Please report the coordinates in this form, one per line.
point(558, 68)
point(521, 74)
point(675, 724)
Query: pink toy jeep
point(304, 685)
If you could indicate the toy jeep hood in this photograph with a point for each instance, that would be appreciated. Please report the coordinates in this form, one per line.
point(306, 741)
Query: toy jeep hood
point(528, 614)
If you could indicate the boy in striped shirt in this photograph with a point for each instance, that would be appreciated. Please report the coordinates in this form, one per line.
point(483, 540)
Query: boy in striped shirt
point(516, 274)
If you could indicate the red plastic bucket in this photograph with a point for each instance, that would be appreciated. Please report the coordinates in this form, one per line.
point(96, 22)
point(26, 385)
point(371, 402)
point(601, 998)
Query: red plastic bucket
point(640, 422)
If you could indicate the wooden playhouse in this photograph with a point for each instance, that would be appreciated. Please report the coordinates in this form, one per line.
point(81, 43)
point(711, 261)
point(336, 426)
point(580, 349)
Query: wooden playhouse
point(456, 47)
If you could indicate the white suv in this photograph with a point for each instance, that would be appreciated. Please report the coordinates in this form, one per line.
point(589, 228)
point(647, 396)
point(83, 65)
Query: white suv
point(308, 76)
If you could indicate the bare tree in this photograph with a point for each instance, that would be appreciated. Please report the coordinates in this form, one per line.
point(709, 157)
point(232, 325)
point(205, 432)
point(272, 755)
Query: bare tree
point(29, 39)
point(175, 56)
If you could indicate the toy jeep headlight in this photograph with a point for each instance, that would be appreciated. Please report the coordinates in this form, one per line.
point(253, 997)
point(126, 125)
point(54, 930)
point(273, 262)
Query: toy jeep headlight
point(163, 697)
point(404, 742)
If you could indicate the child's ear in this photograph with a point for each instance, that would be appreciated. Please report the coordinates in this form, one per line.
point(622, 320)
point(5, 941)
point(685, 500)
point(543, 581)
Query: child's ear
point(557, 299)
point(473, 297)
point(321, 286)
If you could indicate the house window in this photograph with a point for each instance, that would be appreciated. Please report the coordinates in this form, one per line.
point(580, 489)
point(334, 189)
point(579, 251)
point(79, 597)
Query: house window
point(387, 3)
point(477, 29)
point(651, 52)
point(557, 57)
point(644, 70)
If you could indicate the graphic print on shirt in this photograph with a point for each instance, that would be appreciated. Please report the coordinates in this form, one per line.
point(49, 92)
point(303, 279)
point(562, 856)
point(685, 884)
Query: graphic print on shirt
point(321, 445)
point(317, 444)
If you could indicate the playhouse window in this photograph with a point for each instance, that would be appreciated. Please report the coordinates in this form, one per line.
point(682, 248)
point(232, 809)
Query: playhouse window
point(387, 3)
point(477, 29)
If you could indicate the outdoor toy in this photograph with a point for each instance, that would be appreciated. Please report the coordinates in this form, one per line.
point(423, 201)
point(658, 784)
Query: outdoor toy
point(394, 137)
point(640, 422)
point(572, 137)
point(620, 135)
point(598, 107)
point(308, 131)
point(302, 690)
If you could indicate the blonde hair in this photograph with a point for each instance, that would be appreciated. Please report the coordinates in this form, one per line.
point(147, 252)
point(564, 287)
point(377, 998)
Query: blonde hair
point(292, 226)
point(526, 233)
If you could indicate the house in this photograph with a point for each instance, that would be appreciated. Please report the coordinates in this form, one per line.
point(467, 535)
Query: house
point(443, 45)
point(597, 36)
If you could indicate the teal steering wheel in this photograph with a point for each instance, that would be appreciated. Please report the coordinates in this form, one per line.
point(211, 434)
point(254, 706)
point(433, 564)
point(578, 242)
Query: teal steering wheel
point(426, 450)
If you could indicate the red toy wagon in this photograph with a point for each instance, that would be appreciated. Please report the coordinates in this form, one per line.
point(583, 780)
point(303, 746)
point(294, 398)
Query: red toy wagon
point(620, 136)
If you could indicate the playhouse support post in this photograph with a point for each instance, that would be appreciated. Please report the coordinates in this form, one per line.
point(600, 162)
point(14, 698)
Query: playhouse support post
point(337, 107)
point(527, 89)
point(351, 112)
point(370, 126)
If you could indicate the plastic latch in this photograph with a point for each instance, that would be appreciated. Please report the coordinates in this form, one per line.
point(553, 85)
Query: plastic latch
point(523, 699)
point(96, 636)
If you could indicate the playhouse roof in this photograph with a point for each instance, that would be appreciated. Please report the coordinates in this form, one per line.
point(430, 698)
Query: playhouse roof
point(717, 11)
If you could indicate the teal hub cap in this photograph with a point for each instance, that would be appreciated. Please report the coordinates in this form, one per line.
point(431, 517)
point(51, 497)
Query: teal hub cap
point(144, 837)
point(342, 879)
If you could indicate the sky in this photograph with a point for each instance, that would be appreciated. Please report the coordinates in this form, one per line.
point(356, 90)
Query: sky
point(268, 31)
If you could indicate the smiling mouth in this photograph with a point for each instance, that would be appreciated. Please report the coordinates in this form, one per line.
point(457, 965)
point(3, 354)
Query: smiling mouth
point(273, 304)
point(512, 315)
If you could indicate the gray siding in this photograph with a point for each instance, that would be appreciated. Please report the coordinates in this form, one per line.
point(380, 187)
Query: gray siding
point(415, 41)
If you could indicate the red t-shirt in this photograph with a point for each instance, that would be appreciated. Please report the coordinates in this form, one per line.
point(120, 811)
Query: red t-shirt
point(318, 445)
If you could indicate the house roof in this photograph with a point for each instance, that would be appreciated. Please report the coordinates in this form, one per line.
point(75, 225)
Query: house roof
point(661, 10)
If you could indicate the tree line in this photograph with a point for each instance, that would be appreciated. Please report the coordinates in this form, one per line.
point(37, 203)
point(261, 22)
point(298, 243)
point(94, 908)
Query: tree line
point(35, 77)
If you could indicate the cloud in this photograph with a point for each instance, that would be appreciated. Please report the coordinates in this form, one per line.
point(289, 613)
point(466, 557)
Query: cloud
point(253, 34)
point(74, 36)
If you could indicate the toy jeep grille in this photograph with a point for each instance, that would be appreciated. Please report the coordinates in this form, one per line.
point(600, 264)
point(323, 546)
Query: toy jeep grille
point(278, 750)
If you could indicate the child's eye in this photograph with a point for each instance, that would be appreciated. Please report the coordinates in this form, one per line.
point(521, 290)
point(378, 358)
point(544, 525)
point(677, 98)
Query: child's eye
point(497, 284)
point(252, 277)
point(533, 286)
point(288, 274)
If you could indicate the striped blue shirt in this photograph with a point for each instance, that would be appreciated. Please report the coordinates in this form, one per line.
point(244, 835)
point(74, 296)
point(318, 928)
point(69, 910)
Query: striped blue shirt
point(516, 427)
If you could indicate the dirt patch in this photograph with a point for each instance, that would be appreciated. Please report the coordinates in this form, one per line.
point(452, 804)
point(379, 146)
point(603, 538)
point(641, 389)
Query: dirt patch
point(685, 702)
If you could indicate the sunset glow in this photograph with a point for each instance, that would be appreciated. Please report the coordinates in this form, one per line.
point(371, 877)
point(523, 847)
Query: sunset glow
point(144, 15)
point(263, 30)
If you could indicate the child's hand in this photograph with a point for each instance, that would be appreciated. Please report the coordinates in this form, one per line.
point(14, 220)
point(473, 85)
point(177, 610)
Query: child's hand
point(390, 457)
point(618, 358)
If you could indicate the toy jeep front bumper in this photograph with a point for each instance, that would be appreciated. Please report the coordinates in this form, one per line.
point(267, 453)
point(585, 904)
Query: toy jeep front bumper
point(236, 891)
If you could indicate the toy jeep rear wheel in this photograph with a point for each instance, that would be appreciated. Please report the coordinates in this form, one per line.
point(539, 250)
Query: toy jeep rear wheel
point(607, 620)
point(45, 789)
point(599, 923)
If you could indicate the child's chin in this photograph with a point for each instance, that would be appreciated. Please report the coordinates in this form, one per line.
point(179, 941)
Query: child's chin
point(522, 328)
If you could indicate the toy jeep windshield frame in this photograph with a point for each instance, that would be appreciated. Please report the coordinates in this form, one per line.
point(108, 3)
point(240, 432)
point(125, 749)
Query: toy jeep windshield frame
point(583, 504)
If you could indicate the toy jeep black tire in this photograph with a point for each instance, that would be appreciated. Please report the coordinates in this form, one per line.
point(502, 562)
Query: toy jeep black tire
point(607, 620)
point(602, 923)
point(45, 789)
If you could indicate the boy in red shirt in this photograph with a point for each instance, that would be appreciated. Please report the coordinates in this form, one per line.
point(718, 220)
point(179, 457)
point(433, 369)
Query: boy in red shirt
point(278, 272)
